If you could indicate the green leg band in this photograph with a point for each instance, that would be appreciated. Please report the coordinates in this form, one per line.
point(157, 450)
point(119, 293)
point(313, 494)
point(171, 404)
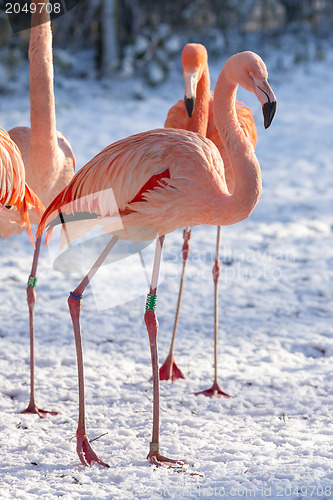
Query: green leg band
point(32, 281)
point(151, 302)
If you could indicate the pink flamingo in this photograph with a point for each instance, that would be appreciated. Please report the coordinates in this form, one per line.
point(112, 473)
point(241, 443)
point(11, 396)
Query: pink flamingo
point(47, 155)
point(197, 115)
point(161, 180)
point(15, 194)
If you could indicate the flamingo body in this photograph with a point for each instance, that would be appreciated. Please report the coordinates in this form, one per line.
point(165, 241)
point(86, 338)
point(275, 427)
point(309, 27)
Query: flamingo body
point(56, 179)
point(192, 189)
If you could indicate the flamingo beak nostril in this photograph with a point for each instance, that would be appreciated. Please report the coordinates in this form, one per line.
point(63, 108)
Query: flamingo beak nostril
point(189, 105)
point(268, 110)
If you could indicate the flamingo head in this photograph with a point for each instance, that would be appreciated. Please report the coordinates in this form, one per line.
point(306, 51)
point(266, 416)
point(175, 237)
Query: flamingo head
point(195, 60)
point(249, 70)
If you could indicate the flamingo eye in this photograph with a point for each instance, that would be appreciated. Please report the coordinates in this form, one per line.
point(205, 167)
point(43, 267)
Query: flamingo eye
point(250, 73)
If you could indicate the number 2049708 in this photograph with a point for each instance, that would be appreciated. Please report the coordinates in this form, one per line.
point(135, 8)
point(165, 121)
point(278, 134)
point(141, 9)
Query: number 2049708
point(311, 491)
point(31, 8)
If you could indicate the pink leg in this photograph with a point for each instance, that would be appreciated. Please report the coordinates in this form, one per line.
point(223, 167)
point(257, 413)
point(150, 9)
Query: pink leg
point(86, 454)
point(169, 370)
point(31, 298)
point(215, 390)
point(154, 455)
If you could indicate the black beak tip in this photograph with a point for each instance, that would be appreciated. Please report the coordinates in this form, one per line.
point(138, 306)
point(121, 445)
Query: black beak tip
point(268, 111)
point(189, 105)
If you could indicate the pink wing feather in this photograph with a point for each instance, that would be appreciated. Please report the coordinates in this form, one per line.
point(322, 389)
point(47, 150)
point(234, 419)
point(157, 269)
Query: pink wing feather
point(14, 192)
point(177, 116)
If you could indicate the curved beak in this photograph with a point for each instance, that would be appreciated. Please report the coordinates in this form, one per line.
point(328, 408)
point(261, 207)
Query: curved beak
point(189, 105)
point(267, 99)
point(268, 111)
point(191, 82)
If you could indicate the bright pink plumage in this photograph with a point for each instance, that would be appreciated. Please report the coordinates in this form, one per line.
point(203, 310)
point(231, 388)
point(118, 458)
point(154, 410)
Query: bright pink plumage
point(15, 194)
point(190, 190)
point(162, 180)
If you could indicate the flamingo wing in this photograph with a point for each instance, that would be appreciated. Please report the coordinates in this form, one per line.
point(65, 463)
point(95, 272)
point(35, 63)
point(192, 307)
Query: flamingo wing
point(177, 116)
point(14, 192)
point(125, 167)
point(246, 121)
point(12, 174)
point(66, 148)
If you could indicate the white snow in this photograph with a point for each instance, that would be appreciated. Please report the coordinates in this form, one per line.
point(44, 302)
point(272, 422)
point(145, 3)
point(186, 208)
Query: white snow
point(273, 438)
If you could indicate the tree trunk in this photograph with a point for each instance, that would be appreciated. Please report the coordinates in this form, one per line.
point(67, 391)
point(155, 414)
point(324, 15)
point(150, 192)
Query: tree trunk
point(109, 38)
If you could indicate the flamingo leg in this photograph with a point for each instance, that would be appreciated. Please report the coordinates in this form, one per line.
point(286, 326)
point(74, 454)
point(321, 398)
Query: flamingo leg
point(154, 454)
point(169, 370)
point(84, 450)
point(31, 299)
point(215, 389)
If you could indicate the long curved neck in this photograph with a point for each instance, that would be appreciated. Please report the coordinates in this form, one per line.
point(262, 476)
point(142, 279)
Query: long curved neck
point(43, 145)
point(199, 120)
point(243, 161)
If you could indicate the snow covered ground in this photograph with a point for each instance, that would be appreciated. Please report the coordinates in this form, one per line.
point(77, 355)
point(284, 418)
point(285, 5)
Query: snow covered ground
point(273, 438)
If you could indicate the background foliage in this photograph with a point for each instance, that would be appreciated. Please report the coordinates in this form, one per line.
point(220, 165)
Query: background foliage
point(99, 37)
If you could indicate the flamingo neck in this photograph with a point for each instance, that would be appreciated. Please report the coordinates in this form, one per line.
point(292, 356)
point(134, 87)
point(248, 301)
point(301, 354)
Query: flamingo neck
point(199, 120)
point(240, 151)
point(43, 143)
